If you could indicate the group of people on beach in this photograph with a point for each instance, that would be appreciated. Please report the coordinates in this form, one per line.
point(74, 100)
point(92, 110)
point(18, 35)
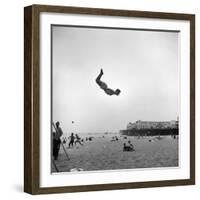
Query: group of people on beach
point(57, 134)
point(75, 139)
point(128, 147)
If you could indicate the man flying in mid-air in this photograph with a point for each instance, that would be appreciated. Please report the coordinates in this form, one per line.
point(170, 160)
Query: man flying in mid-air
point(104, 86)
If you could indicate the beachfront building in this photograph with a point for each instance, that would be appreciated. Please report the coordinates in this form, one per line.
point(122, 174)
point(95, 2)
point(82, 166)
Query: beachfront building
point(151, 128)
point(152, 124)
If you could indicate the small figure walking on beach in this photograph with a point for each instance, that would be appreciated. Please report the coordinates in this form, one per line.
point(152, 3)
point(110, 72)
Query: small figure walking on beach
point(56, 140)
point(104, 86)
point(72, 138)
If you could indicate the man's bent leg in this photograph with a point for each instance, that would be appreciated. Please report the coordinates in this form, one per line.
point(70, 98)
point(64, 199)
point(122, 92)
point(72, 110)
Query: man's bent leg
point(99, 76)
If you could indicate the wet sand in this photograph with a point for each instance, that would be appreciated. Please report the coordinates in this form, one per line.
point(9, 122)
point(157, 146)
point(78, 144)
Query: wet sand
point(103, 154)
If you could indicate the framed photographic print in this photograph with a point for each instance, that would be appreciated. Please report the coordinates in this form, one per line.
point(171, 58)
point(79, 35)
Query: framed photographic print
point(109, 99)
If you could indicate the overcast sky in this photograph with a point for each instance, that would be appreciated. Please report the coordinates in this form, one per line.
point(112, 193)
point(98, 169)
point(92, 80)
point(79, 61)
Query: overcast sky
point(142, 64)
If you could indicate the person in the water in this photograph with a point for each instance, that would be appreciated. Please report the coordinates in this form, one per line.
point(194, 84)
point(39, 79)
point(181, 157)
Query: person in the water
point(104, 86)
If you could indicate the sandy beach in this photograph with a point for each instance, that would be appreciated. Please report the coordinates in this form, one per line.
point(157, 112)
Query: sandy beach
point(103, 154)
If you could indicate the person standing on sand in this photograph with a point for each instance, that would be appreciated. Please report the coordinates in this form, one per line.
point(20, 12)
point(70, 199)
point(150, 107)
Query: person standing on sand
point(72, 138)
point(104, 86)
point(56, 140)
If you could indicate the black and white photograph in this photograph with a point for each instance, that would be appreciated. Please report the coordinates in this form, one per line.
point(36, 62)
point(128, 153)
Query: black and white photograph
point(114, 99)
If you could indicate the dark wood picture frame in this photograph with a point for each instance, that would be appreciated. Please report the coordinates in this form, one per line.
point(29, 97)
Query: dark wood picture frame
point(32, 92)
